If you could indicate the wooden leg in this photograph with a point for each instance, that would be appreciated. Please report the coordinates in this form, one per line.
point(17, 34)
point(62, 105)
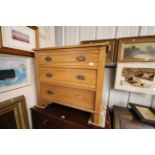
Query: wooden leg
point(97, 119)
point(42, 104)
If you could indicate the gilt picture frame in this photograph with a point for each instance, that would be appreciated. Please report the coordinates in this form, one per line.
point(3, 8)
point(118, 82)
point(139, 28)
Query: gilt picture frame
point(111, 54)
point(136, 49)
point(18, 108)
point(136, 77)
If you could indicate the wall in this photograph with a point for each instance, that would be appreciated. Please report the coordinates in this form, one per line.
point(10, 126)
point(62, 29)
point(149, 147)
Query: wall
point(46, 35)
point(69, 35)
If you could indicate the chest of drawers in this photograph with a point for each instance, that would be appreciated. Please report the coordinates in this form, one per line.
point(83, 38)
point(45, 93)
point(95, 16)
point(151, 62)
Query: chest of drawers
point(71, 76)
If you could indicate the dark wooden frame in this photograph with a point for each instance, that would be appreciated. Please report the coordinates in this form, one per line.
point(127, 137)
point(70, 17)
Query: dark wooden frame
point(112, 47)
point(12, 51)
point(18, 106)
point(123, 41)
point(133, 106)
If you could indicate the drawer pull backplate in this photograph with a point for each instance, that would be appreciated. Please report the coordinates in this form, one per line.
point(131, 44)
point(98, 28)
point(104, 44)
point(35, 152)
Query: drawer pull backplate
point(81, 58)
point(49, 75)
point(48, 58)
point(49, 92)
point(80, 77)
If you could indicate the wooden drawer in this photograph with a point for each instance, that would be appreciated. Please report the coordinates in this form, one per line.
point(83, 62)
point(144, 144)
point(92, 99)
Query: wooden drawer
point(72, 125)
point(60, 117)
point(77, 98)
point(50, 122)
point(83, 58)
point(42, 120)
point(78, 77)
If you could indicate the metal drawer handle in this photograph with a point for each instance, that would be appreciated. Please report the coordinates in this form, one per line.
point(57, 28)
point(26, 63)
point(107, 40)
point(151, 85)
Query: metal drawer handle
point(49, 75)
point(81, 58)
point(48, 58)
point(45, 121)
point(63, 116)
point(80, 77)
point(49, 92)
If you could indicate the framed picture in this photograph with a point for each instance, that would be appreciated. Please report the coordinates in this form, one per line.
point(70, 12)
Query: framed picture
point(18, 37)
point(136, 77)
point(18, 40)
point(145, 113)
point(14, 73)
point(111, 52)
point(137, 49)
point(13, 114)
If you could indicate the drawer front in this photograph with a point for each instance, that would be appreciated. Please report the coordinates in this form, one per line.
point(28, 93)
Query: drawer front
point(75, 77)
point(70, 125)
point(69, 58)
point(81, 99)
point(47, 122)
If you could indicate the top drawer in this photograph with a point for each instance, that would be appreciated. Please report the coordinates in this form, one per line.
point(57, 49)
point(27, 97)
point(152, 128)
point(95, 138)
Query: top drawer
point(83, 58)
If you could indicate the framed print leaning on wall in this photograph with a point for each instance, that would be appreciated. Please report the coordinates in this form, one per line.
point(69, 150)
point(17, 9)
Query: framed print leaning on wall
point(18, 37)
point(13, 114)
point(14, 73)
point(137, 49)
point(136, 77)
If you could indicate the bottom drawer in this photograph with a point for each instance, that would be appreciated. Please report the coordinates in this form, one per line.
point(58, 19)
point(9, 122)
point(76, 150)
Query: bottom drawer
point(51, 123)
point(42, 121)
point(81, 99)
point(71, 125)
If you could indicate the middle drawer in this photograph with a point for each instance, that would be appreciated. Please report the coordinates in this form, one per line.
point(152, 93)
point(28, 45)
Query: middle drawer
point(75, 77)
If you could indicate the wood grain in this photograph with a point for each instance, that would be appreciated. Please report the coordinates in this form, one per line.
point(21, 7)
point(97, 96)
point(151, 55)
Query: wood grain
point(70, 58)
point(100, 75)
point(68, 76)
point(83, 99)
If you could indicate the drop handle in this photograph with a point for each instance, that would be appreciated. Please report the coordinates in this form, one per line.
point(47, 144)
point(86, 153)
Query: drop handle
point(50, 92)
point(48, 58)
point(81, 58)
point(49, 75)
point(80, 77)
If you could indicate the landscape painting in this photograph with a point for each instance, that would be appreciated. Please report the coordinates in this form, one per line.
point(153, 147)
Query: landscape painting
point(14, 73)
point(139, 51)
point(134, 77)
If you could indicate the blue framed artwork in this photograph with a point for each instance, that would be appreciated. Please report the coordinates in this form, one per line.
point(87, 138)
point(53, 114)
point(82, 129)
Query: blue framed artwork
point(14, 73)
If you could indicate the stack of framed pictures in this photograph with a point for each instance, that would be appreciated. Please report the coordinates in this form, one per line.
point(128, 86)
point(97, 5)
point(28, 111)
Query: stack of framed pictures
point(136, 65)
point(111, 44)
